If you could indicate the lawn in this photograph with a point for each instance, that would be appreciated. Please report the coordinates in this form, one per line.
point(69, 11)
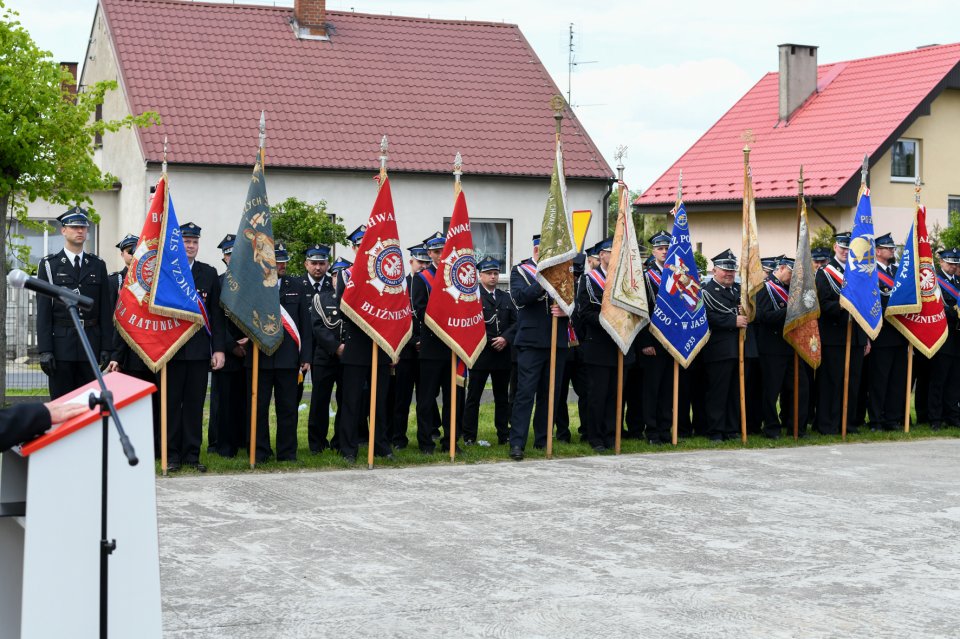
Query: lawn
point(476, 454)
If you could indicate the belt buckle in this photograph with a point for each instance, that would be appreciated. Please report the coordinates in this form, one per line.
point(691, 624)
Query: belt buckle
point(83, 323)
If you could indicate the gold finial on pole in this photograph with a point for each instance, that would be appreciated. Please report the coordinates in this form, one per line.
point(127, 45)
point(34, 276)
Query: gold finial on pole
point(618, 156)
point(557, 103)
point(263, 128)
point(800, 182)
point(163, 169)
point(916, 191)
point(457, 172)
point(748, 138)
point(383, 159)
point(865, 170)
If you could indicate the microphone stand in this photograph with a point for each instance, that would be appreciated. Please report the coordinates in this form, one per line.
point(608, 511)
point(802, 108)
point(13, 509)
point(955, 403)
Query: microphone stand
point(107, 410)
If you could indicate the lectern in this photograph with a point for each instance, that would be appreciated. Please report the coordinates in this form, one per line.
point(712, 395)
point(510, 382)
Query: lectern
point(50, 504)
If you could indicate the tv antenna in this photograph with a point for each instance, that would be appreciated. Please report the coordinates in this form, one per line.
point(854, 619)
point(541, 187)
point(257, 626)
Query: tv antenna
point(572, 62)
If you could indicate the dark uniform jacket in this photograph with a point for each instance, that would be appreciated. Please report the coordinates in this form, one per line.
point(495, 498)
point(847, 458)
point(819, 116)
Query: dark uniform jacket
point(833, 317)
point(500, 316)
point(599, 349)
point(231, 335)
point(200, 346)
point(724, 343)
point(289, 355)
point(325, 311)
point(952, 345)
point(409, 350)
point(645, 338)
point(771, 313)
point(533, 311)
point(357, 345)
point(55, 332)
point(22, 423)
point(431, 346)
point(889, 336)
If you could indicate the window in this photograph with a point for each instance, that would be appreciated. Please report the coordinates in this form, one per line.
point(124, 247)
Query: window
point(953, 204)
point(905, 160)
point(98, 116)
point(491, 238)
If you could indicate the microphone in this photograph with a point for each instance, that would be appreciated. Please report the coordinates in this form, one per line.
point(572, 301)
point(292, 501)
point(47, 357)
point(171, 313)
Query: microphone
point(18, 279)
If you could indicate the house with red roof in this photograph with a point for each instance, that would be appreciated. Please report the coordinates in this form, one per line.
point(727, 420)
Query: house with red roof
point(332, 84)
point(900, 110)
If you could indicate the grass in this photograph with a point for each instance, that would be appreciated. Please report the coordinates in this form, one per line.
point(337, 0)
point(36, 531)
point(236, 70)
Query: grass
point(411, 456)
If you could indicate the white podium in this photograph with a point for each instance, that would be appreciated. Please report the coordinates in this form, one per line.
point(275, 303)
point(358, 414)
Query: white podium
point(50, 526)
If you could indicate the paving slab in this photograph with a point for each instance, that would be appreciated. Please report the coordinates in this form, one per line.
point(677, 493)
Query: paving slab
point(855, 540)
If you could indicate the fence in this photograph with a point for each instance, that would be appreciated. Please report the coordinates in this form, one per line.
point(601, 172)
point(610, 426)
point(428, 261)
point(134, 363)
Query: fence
point(24, 376)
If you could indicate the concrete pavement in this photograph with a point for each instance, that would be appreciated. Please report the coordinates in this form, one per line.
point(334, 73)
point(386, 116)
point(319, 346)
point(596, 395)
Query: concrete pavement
point(856, 540)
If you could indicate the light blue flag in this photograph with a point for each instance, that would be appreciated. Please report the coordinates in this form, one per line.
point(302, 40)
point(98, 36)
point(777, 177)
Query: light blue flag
point(174, 292)
point(860, 294)
point(679, 319)
point(905, 297)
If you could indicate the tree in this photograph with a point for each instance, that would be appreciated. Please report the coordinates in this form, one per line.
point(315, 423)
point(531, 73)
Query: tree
point(949, 237)
point(300, 225)
point(823, 239)
point(46, 138)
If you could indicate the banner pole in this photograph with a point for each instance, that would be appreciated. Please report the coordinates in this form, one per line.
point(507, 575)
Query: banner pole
point(676, 387)
point(846, 381)
point(796, 396)
point(906, 412)
point(453, 406)
point(551, 394)
point(163, 420)
point(743, 388)
point(253, 406)
point(619, 401)
point(373, 404)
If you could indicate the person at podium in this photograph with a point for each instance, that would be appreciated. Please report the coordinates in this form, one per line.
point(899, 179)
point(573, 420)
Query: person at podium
point(25, 421)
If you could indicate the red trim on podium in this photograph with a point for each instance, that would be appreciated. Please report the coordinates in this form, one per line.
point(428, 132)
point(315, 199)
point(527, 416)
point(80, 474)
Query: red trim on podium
point(126, 390)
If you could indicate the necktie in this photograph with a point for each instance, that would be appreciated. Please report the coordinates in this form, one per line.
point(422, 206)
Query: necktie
point(76, 265)
point(316, 286)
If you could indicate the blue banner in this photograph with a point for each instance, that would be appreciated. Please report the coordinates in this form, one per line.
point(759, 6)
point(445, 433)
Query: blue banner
point(860, 294)
point(905, 297)
point(174, 293)
point(679, 319)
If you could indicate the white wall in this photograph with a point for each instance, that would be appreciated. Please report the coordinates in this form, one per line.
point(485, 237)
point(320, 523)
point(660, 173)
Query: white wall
point(213, 198)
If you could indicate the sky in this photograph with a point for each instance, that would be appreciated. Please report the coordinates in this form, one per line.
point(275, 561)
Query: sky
point(652, 76)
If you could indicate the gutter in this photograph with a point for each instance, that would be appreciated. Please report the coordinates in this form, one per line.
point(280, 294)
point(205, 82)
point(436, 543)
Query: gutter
point(606, 209)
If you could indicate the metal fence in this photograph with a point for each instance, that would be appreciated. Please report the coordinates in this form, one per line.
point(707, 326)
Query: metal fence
point(24, 376)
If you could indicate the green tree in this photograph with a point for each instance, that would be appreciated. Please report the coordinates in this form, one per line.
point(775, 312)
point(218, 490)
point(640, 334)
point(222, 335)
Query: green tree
point(46, 139)
point(300, 225)
point(822, 239)
point(948, 237)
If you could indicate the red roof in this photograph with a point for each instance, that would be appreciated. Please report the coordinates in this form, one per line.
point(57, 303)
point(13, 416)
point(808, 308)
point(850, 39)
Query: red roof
point(862, 107)
point(434, 87)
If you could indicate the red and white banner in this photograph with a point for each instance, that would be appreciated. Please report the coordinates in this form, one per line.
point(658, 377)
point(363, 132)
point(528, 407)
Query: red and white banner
point(375, 298)
point(454, 311)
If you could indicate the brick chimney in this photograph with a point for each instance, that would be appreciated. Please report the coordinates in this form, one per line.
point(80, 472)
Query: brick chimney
point(310, 19)
point(72, 68)
point(798, 77)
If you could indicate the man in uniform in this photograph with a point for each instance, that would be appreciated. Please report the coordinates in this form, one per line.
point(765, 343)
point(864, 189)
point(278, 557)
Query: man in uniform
point(355, 352)
point(279, 373)
point(776, 355)
point(535, 310)
point(325, 368)
point(599, 354)
point(721, 296)
point(187, 370)
point(821, 257)
point(887, 363)
point(944, 393)
point(405, 372)
point(656, 361)
point(434, 357)
point(833, 337)
point(500, 316)
point(124, 358)
point(229, 428)
point(335, 271)
point(62, 356)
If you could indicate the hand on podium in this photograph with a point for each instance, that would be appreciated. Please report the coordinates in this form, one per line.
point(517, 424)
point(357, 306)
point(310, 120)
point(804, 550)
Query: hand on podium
point(62, 412)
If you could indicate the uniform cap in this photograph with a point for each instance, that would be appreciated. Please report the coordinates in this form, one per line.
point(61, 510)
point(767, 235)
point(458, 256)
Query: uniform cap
point(488, 264)
point(842, 239)
point(339, 265)
point(226, 244)
point(726, 261)
point(357, 234)
point(885, 241)
point(660, 239)
point(435, 241)
point(190, 230)
point(280, 253)
point(74, 217)
point(128, 241)
point(317, 253)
